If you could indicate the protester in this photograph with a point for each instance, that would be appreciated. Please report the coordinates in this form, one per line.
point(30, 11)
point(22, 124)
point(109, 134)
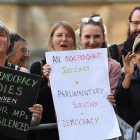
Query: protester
point(4, 46)
point(125, 47)
point(18, 52)
point(92, 36)
point(128, 92)
point(62, 38)
point(133, 31)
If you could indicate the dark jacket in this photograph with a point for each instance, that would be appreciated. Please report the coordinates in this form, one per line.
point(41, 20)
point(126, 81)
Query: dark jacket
point(46, 100)
point(129, 98)
point(114, 52)
point(12, 66)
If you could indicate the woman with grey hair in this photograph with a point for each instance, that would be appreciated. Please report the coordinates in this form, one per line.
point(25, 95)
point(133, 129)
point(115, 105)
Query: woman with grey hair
point(4, 49)
point(4, 46)
point(18, 52)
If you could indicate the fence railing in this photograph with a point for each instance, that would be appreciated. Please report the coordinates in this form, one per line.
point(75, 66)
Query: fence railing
point(44, 126)
point(122, 137)
point(54, 125)
point(135, 130)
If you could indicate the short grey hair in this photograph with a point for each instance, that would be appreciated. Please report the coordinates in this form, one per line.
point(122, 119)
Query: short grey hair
point(4, 28)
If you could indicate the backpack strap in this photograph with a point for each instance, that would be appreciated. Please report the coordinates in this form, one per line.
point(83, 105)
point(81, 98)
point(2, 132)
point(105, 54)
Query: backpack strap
point(120, 48)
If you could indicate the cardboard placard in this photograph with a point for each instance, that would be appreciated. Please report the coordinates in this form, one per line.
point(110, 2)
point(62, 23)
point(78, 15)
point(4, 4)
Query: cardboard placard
point(18, 92)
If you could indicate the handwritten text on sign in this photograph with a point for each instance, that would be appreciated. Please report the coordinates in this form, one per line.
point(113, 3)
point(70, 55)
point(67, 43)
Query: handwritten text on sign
point(80, 84)
point(18, 92)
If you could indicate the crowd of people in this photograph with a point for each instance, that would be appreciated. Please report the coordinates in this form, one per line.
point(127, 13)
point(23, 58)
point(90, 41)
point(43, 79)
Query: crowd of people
point(123, 66)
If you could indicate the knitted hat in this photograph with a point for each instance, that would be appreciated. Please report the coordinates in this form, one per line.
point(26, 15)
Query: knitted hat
point(136, 45)
point(4, 28)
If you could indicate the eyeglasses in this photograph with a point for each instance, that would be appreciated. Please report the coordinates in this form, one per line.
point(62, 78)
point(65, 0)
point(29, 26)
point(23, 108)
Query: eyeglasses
point(24, 51)
point(94, 19)
point(135, 23)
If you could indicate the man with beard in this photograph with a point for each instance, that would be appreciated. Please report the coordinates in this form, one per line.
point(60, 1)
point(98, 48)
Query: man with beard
point(117, 51)
point(124, 48)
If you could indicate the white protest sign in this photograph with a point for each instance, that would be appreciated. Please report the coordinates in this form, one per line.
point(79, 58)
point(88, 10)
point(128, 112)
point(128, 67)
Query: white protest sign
point(80, 84)
point(127, 129)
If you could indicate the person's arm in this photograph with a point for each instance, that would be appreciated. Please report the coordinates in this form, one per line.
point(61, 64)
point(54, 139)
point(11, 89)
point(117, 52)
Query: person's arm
point(110, 98)
point(46, 72)
point(122, 92)
point(129, 69)
point(36, 109)
point(122, 70)
point(114, 75)
point(44, 96)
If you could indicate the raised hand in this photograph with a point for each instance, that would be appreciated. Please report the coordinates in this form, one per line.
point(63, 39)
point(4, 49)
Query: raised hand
point(128, 63)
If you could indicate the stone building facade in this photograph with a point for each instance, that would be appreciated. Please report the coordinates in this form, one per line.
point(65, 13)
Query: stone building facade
point(34, 18)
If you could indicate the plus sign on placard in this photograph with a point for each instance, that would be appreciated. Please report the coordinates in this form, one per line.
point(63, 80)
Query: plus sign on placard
point(76, 82)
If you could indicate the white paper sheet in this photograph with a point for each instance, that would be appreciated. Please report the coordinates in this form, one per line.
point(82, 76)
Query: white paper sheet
point(80, 84)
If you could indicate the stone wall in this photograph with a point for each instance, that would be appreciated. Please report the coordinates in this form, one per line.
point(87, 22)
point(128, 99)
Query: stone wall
point(33, 21)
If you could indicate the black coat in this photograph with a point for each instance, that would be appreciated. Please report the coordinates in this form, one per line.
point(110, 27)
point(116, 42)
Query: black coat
point(129, 98)
point(46, 100)
point(115, 53)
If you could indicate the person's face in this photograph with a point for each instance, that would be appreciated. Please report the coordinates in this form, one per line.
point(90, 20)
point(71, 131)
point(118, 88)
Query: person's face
point(20, 54)
point(134, 30)
point(135, 18)
point(137, 59)
point(92, 36)
point(3, 42)
point(62, 40)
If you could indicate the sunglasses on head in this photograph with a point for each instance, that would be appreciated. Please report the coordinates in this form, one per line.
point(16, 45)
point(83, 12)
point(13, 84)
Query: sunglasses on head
point(94, 19)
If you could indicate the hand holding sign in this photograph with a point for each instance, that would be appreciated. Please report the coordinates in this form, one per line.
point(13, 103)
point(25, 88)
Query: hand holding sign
point(110, 98)
point(46, 72)
point(37, 113)
point(18, 92)
point(82, 95)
